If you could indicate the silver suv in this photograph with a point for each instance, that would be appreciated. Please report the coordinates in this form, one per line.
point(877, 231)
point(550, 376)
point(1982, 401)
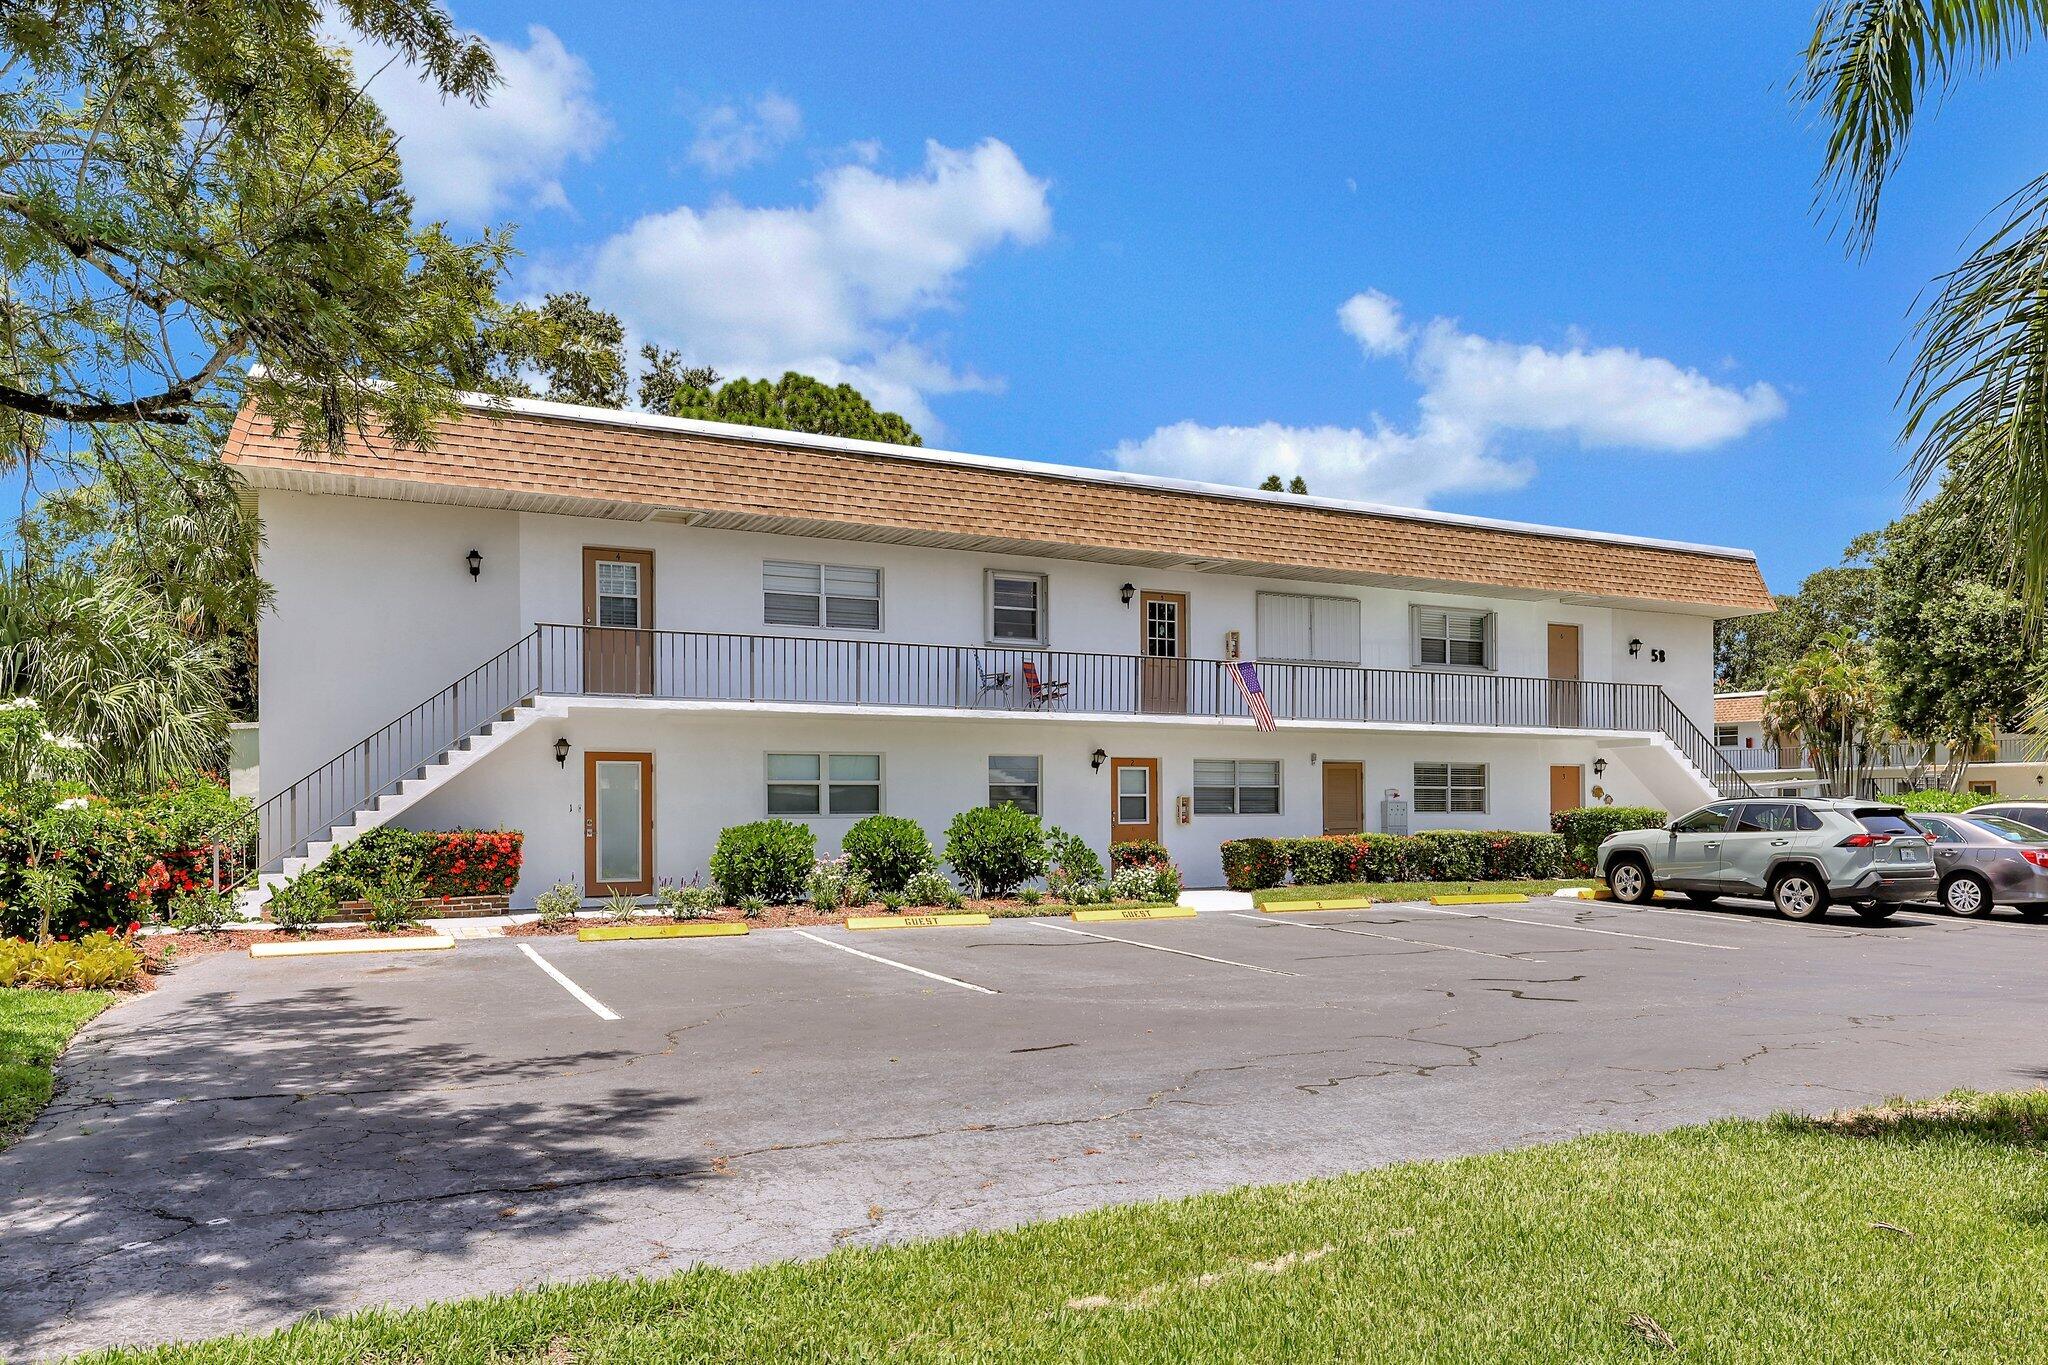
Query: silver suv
point(1801, 854)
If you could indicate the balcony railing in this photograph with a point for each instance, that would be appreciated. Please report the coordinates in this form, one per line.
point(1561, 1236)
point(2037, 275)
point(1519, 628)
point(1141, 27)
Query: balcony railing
point(699, 666)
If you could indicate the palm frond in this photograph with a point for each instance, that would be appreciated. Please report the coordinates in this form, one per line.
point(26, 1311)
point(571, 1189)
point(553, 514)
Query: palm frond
point(1872, 63)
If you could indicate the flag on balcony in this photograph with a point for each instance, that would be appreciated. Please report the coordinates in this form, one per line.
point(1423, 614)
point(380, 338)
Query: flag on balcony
point(1247, 676)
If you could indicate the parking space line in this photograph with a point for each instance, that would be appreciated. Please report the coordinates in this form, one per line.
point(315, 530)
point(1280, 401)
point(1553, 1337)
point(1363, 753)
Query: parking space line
point(1575, 928)
point(1391, 938)
point(584, 997)
point(1731, 917)
point(892, 962)
point(1162, 948)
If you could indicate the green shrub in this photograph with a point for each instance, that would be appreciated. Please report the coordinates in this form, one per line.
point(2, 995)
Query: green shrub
point(768, 860)
point(388, 902)
point(620, 908)
point(888, 850)
point(300, 904)
point(1585, 826)
point(1253, 864)
point(1030, 895)
point(1137, 853)
point(201, 910)
point(1068, 856)
point(750, 907)
point(99, 961)
point(1452, 855)
point(1150, 881)
point(452, 862)
point(1513, 856)
point(1939, 801)
point(929, 888)
point(1317, 862)
point(688, 900)
point(830, 885)
point(558, 904)
point(996, 849)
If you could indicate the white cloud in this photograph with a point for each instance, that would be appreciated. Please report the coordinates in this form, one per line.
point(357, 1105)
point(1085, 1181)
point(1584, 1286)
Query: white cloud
point(833, 287)
point(468, 162)
point(730, 138)
point(1374, 321)
point(1474, 391)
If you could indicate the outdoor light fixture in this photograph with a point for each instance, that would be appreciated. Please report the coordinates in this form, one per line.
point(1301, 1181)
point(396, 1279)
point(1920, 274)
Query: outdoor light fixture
point(562, 752)
point(1097, 759)
point(1126, 592)
point(476, 563)
point(1635, 647)
point(1599, 766)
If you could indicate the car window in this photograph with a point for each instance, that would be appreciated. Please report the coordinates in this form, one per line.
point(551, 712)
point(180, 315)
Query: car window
point(1805, 817)
point(1886, 822)
point(2012, 831)
point(1707, 820)
point(2032, 819)
point(1942, 830)
point(1764, 817)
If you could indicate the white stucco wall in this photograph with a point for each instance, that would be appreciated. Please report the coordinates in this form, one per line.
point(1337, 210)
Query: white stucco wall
point(709, 772)
point(375, 609)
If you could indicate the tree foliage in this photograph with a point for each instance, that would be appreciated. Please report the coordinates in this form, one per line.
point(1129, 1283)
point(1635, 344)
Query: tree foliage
point(1831, 601)
point(189, 189)
point(795, 402)
point(576, 349)
point(1831, 702)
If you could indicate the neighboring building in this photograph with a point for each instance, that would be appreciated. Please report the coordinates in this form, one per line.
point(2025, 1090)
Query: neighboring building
point(2016, 765)
point(620, 633)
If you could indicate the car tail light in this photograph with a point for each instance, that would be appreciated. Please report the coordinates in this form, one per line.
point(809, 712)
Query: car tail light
point(1864, 840)
point(2037, 856)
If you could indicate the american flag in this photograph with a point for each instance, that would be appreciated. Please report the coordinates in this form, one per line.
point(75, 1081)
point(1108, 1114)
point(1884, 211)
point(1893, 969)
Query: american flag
point(1247, 676)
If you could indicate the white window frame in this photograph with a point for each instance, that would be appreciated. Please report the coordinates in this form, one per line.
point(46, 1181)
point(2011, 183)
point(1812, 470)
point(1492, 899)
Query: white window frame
point(1238, 786)
point(1037, 784)
point(1734, 733)
point(1490, 642)
point(1449, 786)
point(824, 598)
point(824, 784)
point(988, 609)
point(1313, 656)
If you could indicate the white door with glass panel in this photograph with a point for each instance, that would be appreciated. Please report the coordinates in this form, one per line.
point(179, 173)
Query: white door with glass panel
point(618, 824)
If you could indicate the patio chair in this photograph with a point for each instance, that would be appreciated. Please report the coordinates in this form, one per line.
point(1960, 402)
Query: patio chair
point(991, 679)
point(1042, 693)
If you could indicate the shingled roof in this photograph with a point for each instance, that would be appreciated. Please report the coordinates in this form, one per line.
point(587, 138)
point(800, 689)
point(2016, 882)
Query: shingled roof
point(552, 457)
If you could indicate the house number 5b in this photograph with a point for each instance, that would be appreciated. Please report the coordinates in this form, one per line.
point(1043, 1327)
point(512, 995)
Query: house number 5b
point(1656, 656)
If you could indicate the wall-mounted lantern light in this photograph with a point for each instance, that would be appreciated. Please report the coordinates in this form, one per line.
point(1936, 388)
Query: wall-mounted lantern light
point(1126, 593)
point(1097, 759)
point(1635, 647)
point(562, 752)
point(476, 563)
point(1599, 766)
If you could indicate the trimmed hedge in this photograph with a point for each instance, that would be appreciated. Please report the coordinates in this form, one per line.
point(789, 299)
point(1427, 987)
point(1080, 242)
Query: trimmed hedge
point(1585, 826)
point(1938, 802)
point(1137, 853)
point(769, 860)
point(888, 850)
point(1450, 855)
point(452, 862)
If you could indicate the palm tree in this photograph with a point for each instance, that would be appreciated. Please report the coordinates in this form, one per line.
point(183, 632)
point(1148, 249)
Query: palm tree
point(1977, 398)
point(1830, 701)
point(111, 667)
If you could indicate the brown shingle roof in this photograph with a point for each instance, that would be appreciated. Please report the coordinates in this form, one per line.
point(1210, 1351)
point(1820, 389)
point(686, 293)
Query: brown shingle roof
point(1735, 708)
point(546, 457)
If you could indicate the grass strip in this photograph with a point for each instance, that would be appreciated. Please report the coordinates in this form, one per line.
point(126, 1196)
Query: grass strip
point(1408, 891)
point(35, 1025)
point(1903, 1233)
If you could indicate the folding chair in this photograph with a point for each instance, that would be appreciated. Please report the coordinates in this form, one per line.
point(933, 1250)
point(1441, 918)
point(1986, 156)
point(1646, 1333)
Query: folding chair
point(992, 679)
point(1042, 693)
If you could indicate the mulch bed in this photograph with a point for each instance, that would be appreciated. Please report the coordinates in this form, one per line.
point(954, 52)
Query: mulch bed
point(798, 916)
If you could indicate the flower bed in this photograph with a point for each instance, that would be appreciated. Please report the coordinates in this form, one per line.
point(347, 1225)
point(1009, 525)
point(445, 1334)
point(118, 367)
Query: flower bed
point(454, 864)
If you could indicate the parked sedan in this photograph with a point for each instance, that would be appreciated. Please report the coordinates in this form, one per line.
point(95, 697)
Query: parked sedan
point(1985, 860)
point(2032, 814)
point(1801, 853)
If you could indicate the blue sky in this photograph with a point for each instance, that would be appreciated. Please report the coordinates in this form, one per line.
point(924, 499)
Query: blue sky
point(1596, 292)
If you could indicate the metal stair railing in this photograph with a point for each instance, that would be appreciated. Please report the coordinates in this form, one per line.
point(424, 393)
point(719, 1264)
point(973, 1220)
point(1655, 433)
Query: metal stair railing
point(312, 807)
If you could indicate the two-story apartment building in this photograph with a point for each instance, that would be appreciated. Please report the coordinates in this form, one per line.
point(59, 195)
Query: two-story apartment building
point(620, 633)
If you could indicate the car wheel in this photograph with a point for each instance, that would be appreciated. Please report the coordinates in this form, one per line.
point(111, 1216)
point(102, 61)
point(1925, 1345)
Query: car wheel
point(1870, 912)
point(1703, 899)
point(1629, 880)
point(1799, 894)
point(1966, 896)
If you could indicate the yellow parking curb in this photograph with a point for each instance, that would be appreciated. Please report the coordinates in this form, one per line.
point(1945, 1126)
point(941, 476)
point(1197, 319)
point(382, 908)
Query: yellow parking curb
point(1494, 898)
point(1134, 912)
point(1599, 893)
point(1296, 907)
point(337, 947)
point(613, 933)
point(914, 921)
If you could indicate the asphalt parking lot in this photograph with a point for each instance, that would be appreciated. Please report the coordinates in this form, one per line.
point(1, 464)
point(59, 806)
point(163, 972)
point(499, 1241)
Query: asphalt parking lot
point(259, 1140)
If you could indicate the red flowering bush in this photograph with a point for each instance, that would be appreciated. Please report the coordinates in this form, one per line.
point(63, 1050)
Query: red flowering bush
point(452, 863)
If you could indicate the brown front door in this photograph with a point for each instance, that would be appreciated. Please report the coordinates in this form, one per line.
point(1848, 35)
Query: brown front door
point(618, 619)
point(1343, 798)
point(1567, 787)
point(618, 824)
point(1163, 681)
point(1564, 675)
point(1133, 799)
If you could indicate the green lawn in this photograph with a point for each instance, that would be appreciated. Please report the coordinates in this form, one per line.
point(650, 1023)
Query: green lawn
point(1407, 891)
point(34, 1027)
point(1905, 1235)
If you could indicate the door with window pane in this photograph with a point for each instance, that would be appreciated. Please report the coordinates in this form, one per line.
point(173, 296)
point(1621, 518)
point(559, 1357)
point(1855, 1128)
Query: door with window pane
point(618, 619)
point(618, 824)
point(1163, 668)
point(1134, 799)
